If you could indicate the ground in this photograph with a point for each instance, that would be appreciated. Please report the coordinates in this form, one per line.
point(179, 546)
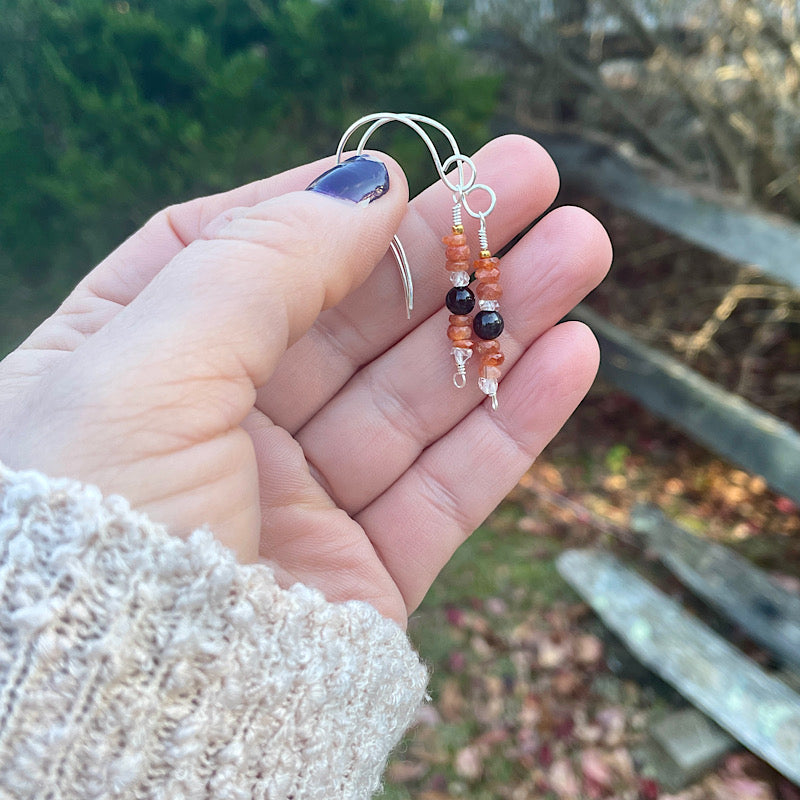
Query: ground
point(530, 696)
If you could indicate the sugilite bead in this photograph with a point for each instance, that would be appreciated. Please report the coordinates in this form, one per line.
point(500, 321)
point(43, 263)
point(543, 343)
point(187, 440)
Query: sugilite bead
point(487, 324)
point(460, 300)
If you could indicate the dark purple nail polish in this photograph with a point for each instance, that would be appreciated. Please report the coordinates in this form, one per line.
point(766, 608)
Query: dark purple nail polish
point(360, 179)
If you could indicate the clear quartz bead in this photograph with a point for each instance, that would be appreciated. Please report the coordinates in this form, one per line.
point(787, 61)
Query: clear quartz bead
point(461, 354)
point(489, 305)
point(459, 278)
point(488, 385)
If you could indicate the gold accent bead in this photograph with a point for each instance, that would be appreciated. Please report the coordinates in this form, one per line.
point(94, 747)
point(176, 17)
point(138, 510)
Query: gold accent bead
point(486, 254)
point(458, 229)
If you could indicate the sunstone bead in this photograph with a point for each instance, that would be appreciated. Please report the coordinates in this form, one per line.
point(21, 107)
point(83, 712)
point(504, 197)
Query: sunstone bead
point(489, 291)
point(457, 253)
point(455, 239)
point(487, 324)
point(492, 360)
point(487, 348)
point(456, 332)
point(460, 300)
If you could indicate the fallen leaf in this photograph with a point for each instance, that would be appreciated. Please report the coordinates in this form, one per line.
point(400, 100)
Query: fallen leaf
point(497, 606)
point(588, 649)
point(648, 789)
point(621, 762)
point(563, 781)
point(428, 716)
point(566, 681)
point(457, 661)
point(551, 654)
point(469, 763)
point(595, 770)
point(451, 701)
point(613, 721)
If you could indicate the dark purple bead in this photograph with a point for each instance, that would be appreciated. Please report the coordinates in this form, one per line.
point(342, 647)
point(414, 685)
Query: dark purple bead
point(460, 300)
point(487, 324)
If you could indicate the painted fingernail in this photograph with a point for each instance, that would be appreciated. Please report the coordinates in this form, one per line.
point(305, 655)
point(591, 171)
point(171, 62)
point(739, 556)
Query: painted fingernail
point(360, 179)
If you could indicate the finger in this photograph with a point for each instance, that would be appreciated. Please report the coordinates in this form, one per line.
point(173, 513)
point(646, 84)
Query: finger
point(126, 271)
point(418, 523)
point(372, 318)
point(123, 274)
point(212, 324)
point(305, 537)
point(379, 423)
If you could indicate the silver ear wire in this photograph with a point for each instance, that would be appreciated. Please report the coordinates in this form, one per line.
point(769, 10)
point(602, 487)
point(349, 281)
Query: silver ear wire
point(405, 273)
point(460, 189)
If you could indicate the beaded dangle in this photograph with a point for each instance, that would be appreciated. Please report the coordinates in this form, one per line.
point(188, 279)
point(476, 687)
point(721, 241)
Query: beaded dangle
point(488, 324)
point(459, 300)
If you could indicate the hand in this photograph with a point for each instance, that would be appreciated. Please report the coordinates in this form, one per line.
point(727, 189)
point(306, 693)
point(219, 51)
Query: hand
point(238, 364)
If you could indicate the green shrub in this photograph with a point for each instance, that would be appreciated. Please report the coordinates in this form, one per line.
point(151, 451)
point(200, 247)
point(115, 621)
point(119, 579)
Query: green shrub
point(110, 110)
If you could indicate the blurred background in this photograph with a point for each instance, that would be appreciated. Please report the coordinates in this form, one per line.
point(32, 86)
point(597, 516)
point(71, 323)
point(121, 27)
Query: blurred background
point(677, 124)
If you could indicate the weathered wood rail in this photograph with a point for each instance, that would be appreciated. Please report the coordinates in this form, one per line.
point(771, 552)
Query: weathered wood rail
point(722, 421)
point(758, 709)
point(745, 235)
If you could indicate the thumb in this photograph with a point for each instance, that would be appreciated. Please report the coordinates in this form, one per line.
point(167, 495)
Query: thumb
point(229, 305)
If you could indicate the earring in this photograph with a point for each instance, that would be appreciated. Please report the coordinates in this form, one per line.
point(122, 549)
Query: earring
point(488, 324)
point(460, 300)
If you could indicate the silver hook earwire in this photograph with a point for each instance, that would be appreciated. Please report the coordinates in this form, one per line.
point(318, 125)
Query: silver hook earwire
point(405, 274)
point(461, 189)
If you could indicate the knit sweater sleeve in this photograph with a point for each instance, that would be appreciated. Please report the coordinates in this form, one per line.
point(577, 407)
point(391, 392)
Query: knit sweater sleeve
point(134, 664)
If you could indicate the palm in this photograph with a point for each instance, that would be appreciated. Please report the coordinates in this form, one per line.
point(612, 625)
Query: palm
point(349, 462)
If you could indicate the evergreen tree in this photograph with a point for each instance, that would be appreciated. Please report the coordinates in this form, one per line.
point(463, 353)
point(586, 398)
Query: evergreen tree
point(110, 110)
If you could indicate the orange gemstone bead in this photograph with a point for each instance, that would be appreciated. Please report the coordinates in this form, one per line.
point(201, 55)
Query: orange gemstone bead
point(487, 263)
point(455, 240)
point(487, 347)
point(488, 291)
point(467, 344)
point(456, 332)
point(490, 372)
point(460, 320)
point(486, 275)
point(457, 266)
point(457, 253)
point(493, 360)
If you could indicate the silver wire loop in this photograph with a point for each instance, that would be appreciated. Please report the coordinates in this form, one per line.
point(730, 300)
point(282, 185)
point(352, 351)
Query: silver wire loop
point(461, 190)
point(460, 377)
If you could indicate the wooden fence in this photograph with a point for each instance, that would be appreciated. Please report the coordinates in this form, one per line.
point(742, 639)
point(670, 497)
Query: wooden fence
point(758, 707)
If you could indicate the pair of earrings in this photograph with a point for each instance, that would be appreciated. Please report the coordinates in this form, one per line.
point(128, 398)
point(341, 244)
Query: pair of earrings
point(468, 335)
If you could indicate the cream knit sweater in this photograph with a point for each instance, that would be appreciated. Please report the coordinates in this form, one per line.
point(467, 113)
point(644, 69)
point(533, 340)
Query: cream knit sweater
point(137, 665)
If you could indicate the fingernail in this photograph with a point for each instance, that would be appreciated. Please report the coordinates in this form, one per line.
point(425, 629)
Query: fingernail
point(360, 179)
